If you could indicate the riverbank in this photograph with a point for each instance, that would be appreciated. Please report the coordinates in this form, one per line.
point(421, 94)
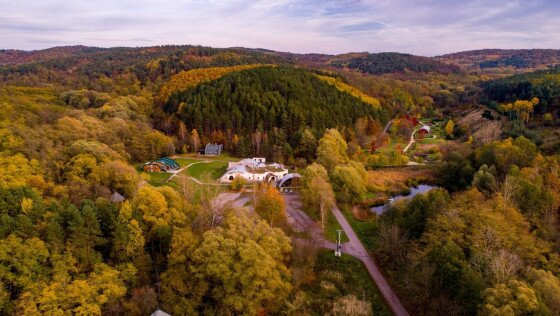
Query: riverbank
point(385, 183)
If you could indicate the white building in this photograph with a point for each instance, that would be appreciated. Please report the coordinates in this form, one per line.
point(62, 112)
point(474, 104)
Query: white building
point(254, 170)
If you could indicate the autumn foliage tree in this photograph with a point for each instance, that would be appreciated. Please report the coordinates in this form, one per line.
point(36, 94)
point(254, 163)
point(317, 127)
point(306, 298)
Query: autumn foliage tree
point(316, 191)
point(270, 205)
point(237, 269)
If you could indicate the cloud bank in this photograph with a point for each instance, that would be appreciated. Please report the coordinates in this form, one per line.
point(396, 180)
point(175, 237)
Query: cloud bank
point(423, 27)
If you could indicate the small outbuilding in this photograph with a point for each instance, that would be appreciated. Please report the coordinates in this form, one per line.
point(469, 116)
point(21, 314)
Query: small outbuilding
point(213, 149)
point(159, 312)
point(116, 197)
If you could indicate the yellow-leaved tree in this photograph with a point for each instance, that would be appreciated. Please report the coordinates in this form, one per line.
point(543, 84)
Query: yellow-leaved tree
point(238, 269)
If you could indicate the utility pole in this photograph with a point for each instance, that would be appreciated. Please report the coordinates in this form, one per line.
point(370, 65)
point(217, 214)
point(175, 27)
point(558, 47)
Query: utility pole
point(338, 251)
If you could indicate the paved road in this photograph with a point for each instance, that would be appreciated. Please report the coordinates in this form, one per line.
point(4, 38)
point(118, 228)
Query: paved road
point(356, 249)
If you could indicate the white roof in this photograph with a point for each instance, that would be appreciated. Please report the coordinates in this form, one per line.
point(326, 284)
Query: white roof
point(425, 127)
point(159, 312)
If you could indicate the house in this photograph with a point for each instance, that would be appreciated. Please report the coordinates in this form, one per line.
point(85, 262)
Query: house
point(254, 170)
point(424, 130)
point(213, 149)
point(161, 165)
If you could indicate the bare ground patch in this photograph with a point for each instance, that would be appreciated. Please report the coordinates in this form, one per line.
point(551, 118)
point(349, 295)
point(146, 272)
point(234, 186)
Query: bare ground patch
point(482, 129)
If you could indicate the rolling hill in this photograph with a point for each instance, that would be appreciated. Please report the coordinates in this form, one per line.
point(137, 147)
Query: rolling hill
point(279, 101)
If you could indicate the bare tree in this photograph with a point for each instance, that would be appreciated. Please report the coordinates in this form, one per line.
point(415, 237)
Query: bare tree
point(257, 140)
point(509, 188)
point(393, 242)
point(212, 206)
point(504, 265)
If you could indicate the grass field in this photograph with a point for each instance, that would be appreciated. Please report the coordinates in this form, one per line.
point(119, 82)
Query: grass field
point(215, 169)
point(337, 277)
point(195, 157)
point(391, 181)
point(183, 162)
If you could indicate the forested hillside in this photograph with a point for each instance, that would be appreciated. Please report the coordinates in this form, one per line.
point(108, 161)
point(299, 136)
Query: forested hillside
point(77, 65)
point(381, 63)
point(278, 102)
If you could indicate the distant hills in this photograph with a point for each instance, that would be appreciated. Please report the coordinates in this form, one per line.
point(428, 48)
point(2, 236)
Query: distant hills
point(495, 58)
point(94, 61)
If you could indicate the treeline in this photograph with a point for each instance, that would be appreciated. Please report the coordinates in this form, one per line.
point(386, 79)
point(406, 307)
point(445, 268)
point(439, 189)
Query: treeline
point(158, 248)
point(381, 63)
point(267, 109)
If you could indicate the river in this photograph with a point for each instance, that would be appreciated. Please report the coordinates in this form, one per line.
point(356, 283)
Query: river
point(422, 188)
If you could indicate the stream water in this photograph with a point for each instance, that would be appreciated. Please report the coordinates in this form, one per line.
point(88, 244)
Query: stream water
point(422, 188)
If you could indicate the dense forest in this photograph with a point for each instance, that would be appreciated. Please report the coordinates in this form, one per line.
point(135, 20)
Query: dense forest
point(77, 123)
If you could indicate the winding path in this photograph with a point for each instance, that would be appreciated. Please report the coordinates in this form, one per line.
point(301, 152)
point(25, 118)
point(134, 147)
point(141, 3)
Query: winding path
point(176, 172)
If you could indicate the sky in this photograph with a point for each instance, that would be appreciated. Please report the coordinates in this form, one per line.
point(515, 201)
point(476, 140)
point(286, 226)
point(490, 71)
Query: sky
point(422, 27)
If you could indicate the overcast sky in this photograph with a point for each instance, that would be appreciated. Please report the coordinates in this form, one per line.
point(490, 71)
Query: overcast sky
point(423, 27)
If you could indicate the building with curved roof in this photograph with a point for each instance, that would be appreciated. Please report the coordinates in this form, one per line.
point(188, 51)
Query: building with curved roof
point(289, 180)
point(161, 165)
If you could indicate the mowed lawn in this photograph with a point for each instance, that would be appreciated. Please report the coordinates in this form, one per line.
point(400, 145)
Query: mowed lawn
point(215, 169)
